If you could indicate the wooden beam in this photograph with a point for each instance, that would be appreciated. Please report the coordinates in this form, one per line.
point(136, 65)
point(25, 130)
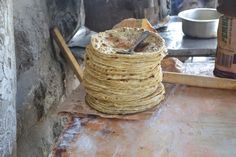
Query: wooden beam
point(199, 81)
point(67, 53)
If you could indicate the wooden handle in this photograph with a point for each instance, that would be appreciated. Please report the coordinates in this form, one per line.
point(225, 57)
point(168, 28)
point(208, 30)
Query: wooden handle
point(199, 81)
point(67, 53)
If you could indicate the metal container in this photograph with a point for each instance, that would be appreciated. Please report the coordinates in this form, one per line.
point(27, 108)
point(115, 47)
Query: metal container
point(200, 22)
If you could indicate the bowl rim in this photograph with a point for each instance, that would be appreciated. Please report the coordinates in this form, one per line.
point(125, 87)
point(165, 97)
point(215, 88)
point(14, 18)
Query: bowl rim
point(182, 15)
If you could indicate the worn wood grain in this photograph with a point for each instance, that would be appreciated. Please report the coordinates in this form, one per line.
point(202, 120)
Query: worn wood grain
point(199, 81)
point(194, 122)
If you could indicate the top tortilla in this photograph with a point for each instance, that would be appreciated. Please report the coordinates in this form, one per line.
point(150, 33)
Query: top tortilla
point(119, 39)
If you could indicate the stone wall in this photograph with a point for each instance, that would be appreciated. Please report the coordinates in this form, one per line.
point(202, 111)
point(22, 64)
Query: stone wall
point(7, 82)
point(104, 14)
point(43, 77)
point(180, 5)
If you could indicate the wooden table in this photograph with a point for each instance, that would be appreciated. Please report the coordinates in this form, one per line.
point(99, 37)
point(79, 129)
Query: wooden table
point(192, 121)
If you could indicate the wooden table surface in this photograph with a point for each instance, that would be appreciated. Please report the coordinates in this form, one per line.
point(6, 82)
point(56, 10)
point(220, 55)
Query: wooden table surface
point(194, 122)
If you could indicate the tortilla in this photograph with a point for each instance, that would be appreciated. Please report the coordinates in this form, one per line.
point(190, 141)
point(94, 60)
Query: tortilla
point(123, 83)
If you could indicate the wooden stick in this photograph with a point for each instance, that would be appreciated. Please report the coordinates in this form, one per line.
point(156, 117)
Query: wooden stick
point(67, 53)
point(199, 81)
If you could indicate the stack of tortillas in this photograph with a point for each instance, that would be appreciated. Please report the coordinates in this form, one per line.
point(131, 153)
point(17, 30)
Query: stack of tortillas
point(123, 83)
